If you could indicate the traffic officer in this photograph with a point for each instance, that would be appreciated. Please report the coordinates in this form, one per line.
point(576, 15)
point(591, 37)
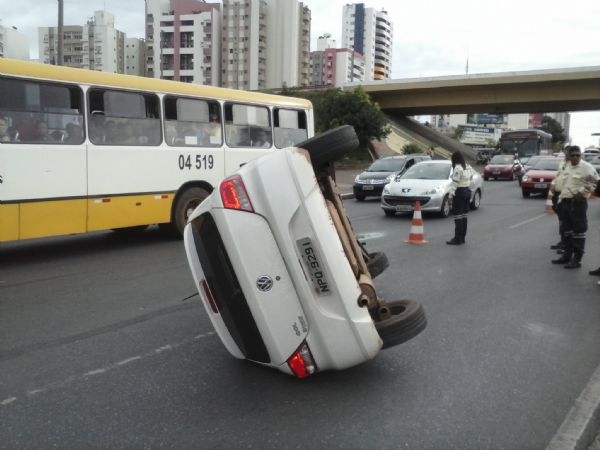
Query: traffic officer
point(461, 195)
point(579, 181)
point(555, 188)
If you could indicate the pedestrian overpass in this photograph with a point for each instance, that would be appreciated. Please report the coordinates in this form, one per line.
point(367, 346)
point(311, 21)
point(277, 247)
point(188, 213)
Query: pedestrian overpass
point(553, 90)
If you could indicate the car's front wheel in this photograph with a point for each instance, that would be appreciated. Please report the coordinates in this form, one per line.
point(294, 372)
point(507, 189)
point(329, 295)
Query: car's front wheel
point(445, 209)
point(525, 193)
point(476, 200)
point(360, 197)
point(389, 212)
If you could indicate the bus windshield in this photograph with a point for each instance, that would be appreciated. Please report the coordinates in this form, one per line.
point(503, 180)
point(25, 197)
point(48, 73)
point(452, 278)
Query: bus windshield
point(524, 147)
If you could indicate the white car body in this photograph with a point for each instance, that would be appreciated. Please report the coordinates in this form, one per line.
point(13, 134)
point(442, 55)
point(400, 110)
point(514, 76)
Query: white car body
point(401, 194)
point(279, 303)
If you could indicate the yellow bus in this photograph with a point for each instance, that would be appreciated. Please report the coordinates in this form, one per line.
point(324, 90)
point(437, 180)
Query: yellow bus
point(83, 151)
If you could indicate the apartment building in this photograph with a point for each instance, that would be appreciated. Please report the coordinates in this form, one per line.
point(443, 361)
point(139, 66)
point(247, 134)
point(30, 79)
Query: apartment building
point(13, 43)
point(97, 45)
point(135, 56)
point(335, 67)
point(183, 41)
point(370, 33)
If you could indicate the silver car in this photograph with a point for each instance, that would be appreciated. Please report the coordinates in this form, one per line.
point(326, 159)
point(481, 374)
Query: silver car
point(429, 183)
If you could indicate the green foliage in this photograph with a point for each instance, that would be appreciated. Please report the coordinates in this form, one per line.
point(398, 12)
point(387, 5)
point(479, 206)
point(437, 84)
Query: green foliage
point(552, 126)
point(411, 147)
point(335, 107)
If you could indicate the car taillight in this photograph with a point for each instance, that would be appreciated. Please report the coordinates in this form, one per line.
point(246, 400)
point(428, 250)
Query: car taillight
point(234, 195)
point(209, 296)
point(302, 363)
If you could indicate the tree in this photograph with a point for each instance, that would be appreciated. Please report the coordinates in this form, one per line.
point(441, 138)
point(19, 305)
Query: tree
point(335, 107)
point(552, 126)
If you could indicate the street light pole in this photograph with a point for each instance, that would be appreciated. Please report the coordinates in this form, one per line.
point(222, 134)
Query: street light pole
point(59, 57)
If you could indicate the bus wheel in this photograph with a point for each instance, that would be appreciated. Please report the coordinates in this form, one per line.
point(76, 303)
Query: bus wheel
point(331, 145)
point(186, 203)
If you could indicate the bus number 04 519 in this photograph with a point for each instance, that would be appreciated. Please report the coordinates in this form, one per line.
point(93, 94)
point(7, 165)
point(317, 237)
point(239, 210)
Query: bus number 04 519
point(200, 162)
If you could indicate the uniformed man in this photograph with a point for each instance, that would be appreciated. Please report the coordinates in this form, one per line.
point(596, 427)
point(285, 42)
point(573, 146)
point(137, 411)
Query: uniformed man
point(556, 188)
point(579, 181)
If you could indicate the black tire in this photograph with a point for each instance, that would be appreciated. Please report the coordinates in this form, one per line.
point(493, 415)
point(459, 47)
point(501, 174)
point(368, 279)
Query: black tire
point(377, 263)
point(445, 209)
point(360, 197)
point(331, 145)
point(407, 320)
point(389, 212)
point(525, 193)
point(476, 200)
point(186, 203)
point(485, 178)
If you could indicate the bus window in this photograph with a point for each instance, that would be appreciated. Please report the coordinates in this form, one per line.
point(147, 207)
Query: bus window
point(123, 118)
point(247, 126)
point(41, 113)
point(192, 122)
point(290, 127)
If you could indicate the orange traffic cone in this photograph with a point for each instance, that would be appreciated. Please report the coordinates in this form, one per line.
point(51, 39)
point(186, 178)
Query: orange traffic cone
point(416, 235)
point(548, 208)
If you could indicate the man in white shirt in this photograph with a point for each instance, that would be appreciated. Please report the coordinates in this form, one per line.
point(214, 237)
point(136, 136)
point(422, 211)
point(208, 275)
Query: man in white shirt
point(579, 181)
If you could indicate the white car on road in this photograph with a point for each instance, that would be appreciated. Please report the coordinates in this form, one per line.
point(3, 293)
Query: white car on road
point(280, 272)
point(429, 183)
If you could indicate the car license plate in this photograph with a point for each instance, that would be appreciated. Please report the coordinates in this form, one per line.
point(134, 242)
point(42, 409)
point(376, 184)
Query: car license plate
point(368, 188)
point(496, 173)
point(540, 185)
point(404, 208)
point(315, 270)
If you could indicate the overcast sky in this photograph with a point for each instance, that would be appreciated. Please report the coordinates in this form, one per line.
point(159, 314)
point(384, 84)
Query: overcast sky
point(431, 37)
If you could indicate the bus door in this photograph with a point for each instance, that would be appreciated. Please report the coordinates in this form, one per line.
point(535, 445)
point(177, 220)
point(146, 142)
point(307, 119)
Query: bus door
point(248, 134)
point(42, 160)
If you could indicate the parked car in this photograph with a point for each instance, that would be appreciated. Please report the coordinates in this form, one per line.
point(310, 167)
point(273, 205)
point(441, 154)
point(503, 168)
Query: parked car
point(503, 166)
point(280, 272)
point(428, 182)
point(537, 180)
point(370, 182)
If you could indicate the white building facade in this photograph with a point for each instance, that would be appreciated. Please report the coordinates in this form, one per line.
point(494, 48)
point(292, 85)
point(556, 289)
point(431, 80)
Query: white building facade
point(370, 33)
point(183, 41)
point(97, 45)
point(135, 56)
point(13, 43)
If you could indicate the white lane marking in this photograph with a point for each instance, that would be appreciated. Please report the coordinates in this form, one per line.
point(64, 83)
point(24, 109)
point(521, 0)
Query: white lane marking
point(525, 222)
point(101, 370)
point(128, 360)
point(579, 427)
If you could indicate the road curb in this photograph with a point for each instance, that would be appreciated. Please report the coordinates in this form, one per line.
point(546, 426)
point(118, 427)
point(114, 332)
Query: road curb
point(346, 196)
point(578, 430)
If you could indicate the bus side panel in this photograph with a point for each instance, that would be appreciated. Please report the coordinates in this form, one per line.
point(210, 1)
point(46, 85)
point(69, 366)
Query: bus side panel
point(129, 211)
point(9, 223)
point(135, 180)
point(52, 218)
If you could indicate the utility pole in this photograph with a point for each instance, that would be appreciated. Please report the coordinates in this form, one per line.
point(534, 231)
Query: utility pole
point(59, 58)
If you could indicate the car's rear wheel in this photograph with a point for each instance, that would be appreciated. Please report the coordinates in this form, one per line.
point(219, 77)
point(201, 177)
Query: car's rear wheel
point(331, 145)
point(406, 321)
point(476, 200)
point(377, 263)
point(445, 209)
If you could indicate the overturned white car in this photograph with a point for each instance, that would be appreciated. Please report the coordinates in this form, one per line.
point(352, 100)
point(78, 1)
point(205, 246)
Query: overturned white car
point(281, 273)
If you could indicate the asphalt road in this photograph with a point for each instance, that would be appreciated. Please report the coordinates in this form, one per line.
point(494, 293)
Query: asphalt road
point(99, 347)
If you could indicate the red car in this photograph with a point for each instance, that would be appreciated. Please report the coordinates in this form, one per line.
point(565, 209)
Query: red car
point(502, 166)
point(537, 180)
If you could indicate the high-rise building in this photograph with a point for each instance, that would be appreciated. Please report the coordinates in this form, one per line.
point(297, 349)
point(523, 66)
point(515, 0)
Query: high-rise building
point(266, 44)
point(135, 56)
point(183, 40)
point(369, 33)
point(97, 45)
point(13, 44)
point(332, 66)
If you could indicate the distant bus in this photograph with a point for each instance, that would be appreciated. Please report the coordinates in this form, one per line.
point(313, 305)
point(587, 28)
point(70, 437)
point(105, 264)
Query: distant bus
point(84, 151)
point(525, 143)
